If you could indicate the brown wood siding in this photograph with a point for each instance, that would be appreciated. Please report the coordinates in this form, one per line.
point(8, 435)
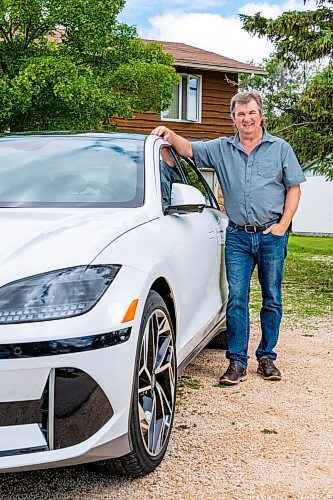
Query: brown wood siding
point(215, 120)
point(220, 199)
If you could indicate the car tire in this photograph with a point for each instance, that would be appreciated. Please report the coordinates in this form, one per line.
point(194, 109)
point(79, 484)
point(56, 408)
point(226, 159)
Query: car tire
point(154, 394)
point(219, 341)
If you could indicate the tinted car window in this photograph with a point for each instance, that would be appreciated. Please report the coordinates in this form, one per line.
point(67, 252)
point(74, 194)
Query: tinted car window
point(169, 174)
point(85, 171)
point(195, 179)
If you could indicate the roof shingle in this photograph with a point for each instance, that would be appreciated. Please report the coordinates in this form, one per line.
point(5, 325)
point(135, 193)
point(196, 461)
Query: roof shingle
point(186, 55)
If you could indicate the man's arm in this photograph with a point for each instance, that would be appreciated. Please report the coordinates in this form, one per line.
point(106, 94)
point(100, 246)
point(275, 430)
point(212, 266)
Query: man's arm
point(290, 207)
point(181, 145)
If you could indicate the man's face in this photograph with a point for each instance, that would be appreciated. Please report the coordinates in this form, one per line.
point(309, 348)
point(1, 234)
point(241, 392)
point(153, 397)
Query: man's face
point(248, 120)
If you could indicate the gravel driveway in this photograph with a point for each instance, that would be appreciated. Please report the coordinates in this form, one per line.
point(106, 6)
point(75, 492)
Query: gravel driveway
point(257, 440)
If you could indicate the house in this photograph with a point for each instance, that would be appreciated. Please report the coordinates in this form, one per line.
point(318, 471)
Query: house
point(200, 107)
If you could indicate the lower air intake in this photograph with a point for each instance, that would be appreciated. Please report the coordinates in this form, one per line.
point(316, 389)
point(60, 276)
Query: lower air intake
point(73, 408)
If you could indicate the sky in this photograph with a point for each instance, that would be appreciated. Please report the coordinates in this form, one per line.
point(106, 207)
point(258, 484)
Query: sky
point(208, 24)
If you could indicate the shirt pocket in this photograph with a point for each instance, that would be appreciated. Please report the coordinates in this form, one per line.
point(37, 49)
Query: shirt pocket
point(269, 167)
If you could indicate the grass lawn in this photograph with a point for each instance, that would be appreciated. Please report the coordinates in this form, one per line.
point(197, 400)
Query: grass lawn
point(308, 278)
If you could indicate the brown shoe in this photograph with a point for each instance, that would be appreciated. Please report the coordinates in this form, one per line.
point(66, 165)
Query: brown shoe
point(234, 374)
point(268, 370)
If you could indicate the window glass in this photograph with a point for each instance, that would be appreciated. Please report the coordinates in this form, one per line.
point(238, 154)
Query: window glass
point(78, 170)
point(186, 103)
point(173, 111)
point(194, 179)
point(192, 99)
point(184, 98)
point(169, 173)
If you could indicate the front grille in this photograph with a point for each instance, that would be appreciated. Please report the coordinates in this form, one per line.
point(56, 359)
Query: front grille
point(72, 408)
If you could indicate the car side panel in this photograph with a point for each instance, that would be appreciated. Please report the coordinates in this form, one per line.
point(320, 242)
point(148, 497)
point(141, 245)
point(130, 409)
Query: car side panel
point(171, 247)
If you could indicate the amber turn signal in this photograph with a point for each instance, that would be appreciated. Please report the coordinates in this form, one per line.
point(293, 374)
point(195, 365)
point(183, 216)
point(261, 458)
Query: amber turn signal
point(130, 313)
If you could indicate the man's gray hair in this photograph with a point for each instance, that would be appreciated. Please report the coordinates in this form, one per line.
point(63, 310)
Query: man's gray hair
point(243, 98)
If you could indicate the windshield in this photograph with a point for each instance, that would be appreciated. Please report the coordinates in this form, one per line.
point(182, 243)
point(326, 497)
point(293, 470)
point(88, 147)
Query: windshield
point(61, 171)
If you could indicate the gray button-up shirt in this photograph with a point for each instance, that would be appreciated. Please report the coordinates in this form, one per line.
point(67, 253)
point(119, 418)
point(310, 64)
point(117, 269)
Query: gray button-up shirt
point(253, 186)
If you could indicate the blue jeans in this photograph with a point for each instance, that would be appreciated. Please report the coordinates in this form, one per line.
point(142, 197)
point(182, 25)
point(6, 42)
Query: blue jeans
point(244, 251)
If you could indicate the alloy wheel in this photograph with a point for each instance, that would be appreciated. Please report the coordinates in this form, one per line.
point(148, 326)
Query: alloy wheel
point(156, 382)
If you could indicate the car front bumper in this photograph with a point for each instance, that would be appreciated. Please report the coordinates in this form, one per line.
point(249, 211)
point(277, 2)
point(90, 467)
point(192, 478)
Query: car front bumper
point(66, 401)
point(66, 384)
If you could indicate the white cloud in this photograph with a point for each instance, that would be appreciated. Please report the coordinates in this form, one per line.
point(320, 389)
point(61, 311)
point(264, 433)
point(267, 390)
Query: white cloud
point(223, 35)
point(266, 9)
point(210, 32)
point(275, 10)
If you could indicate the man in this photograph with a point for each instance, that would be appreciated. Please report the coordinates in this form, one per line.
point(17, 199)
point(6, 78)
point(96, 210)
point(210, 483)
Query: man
point(260, 179)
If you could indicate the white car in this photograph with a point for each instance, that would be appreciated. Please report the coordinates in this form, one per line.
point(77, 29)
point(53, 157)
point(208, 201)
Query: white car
point(111, 281)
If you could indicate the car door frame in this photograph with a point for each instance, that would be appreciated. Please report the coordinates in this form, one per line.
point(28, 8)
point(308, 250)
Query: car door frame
point(188, 342)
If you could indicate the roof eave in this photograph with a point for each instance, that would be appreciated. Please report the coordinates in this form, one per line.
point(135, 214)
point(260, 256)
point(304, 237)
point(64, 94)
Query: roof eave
point(209, 67)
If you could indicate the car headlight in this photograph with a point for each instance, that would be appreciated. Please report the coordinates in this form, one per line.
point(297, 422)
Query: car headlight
point(55, 295)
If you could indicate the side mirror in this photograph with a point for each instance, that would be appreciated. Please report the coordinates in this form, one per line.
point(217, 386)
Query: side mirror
point(184, 200)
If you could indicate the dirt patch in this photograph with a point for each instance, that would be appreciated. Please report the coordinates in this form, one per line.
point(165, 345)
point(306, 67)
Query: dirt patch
point(322, 258)
point(257, 440)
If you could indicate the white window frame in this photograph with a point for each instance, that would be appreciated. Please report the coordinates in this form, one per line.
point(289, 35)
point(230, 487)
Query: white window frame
point(180, 100)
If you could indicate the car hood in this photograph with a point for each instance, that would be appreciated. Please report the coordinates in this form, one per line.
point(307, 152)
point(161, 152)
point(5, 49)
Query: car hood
point(35, 240)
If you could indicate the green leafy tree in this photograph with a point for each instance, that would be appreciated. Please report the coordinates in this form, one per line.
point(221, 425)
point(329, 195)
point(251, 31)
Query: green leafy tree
point(280, 88)
point(68, 64)
point(301, 114)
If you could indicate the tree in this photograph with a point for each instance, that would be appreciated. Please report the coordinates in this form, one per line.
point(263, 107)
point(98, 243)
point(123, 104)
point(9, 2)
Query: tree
point(305, 117)
point(69, 64)
point(297, 35)
point(280, 88)
point(297, 107)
